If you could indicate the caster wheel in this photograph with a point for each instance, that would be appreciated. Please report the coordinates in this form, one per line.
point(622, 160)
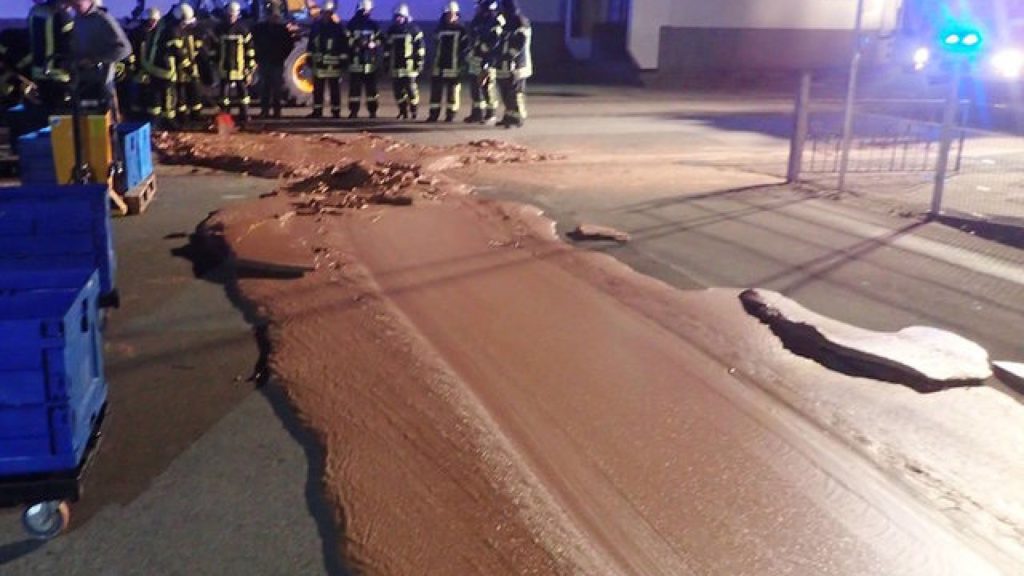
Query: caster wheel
point(46, 520)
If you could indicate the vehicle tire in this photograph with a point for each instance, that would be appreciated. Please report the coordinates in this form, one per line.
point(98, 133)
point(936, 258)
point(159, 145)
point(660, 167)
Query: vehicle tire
point(298, 76)
point(46, 520)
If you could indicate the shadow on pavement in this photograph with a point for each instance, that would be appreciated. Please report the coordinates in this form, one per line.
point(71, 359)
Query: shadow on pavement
point(208, 264)
point(1006, 233)
point(14, 550)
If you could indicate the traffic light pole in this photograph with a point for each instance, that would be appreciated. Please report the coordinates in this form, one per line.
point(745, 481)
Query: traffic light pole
point(851, 95)
point(946, 137)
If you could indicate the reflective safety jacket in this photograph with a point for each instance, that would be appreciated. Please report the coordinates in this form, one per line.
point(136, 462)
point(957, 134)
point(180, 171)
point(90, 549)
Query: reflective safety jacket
point(162, 50)
point(486, 30)
point(404, 50)
point(364, 44)
point(15, 59)
point(236, 53)
point(452, 46)
point(191, 53)
point(328, 45)
point(133, 65)
point(49, 29)
point(516, 40)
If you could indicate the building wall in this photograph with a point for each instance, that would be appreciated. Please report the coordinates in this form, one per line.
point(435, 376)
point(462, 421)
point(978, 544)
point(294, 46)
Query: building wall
point(729, 33)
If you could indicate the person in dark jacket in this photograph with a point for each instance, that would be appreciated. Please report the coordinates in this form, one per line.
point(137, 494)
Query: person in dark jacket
point(138, 92)
point(274, 44)
point(49, 28)
point(237, 59)
point(364, 49)
point(189, 82)
point(515, 64)
point(404, 51)
point(98, 44)
point(486, 30)
point(451, 48)
point(328, 45)
point(15, 66)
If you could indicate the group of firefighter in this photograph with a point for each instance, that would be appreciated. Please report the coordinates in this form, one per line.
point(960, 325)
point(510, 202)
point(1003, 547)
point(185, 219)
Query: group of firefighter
point(492, 52)
point(174, 56)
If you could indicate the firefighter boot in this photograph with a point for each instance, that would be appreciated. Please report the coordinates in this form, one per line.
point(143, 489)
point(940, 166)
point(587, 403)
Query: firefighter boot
point(403, 111)
point(372, 108)
point(414, 111)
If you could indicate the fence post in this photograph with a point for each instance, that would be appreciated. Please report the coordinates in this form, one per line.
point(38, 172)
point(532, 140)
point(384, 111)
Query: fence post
point(946, 139)
point(851, 95)
point(800, 125)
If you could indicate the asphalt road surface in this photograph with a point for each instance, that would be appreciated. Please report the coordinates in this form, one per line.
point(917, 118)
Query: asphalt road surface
point(204, 472)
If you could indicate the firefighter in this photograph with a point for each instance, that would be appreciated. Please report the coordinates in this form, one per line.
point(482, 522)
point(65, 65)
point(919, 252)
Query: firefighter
point(139, 87)
point(15, 66)
point(328, 43)
point(50, 27)
point(187, 81)
point(274, 42)
point(237, 58)
point(364, 45)
point(452, 41)
point(516, 64)
point(486, 30)
point(162, 49)
point(404, 53)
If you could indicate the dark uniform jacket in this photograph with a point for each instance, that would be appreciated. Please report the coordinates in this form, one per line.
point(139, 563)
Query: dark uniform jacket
point(364, 43)
point(162, 50)
point(516, 40)
point(451, 46)
point(404, 50)
point(49, 28)
point(486, 30)
point(328, 43)
point(273, 42)
point(236, 54)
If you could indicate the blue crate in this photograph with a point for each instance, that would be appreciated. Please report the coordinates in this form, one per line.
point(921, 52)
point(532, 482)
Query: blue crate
point(57, 227)
point(35, 158)
point(22, 120)
point(51, 366)
point(136, 152)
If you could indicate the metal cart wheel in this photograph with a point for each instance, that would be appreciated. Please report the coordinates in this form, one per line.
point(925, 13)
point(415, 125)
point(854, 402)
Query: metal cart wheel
point(46, 520)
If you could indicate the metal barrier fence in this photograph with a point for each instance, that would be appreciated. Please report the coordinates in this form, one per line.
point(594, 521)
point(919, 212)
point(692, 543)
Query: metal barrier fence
point(894, 159)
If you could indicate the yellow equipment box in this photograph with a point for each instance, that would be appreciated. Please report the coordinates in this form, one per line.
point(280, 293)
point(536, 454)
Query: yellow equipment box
point(97, 152)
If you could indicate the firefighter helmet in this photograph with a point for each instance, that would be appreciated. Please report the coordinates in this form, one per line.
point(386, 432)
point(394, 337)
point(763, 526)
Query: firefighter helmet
point(185, 13)
point(366, 6)
point(153, 13)
point(402, 10)
point(234, 9)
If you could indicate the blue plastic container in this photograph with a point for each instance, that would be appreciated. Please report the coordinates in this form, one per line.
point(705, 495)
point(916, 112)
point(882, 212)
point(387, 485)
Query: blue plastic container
point(35, 158)
point(136, 152)
point(51, 370)
point(53, 227)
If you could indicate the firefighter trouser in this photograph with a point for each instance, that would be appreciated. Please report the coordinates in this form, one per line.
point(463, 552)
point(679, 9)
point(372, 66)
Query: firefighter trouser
point(513, 97)
point(190, 101)
point(359, 83)
point(271, 88)
point(235, 93)
point(54, 96)
point(485, 98)
point(407, 94)
point(441, 87)
point(163, 99)
point(332, 85)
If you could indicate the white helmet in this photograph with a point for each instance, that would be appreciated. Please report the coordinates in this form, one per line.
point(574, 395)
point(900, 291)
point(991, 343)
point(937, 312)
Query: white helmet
point(234, 9)
point(402, 10)
point(451, 8)
point(185, 13)
point(329, 6)
point(153, 13)
point(97, 3)
point(366, 5)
